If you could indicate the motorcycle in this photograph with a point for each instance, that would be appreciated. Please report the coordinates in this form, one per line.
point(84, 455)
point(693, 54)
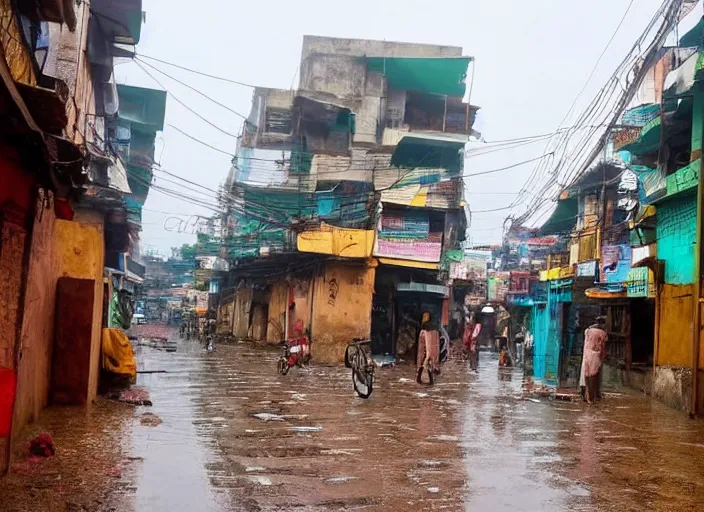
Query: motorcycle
point(293, 354)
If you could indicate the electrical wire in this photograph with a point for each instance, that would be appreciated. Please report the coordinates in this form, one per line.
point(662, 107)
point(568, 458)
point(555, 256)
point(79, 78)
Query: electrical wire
point(192, 89)
point(183, 104)
point(222, 79)
point(570, 166)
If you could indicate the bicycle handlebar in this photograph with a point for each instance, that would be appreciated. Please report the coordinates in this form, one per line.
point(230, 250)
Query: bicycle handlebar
point(359, 341)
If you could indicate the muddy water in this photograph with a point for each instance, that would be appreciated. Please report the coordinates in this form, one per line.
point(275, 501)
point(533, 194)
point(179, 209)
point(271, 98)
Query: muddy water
point(228, 433)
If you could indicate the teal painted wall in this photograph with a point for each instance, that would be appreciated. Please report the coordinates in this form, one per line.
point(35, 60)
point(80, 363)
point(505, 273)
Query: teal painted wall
point(676, 234)
point(539, 321)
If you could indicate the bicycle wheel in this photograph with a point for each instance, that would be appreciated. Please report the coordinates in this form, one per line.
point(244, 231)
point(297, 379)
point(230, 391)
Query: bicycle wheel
point(363, 383)
point(348, 359)
point(362, 374)
point(282, 366)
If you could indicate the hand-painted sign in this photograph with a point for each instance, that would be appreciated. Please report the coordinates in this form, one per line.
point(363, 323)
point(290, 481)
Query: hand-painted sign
point(418, 250)
point(615, 264)
point(640, 282)
point(586, 269)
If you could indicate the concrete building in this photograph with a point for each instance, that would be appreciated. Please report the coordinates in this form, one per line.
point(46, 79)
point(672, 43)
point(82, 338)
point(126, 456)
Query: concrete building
point(345, 191)
point(68, 198)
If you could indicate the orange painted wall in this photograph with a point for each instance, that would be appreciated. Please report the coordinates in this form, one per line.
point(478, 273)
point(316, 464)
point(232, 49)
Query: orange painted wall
point(342, 308)
point(80, 249)
point(37, 335)
point(675, 334)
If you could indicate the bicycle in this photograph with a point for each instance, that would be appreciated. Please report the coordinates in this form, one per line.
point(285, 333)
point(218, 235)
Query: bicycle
point(359, 360)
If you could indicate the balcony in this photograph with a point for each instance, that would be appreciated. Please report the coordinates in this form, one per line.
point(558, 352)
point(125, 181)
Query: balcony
point(121, 20)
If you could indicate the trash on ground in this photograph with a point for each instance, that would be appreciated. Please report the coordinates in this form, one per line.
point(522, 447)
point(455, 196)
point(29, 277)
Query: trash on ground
point(42, 446)
point(385, 361)
point(267, 416)
point(150, 420)
point(133, 396)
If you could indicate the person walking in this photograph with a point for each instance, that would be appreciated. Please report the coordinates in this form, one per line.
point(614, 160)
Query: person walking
point(428, 349)
point(593, 356)
point(470, 340)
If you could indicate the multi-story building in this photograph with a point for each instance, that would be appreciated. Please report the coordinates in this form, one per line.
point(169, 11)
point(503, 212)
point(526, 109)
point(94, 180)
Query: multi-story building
point(64, 200)
point(345, 194)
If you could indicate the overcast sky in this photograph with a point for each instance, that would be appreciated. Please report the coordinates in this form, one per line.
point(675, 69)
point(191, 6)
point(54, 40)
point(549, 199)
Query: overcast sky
point(532, 59)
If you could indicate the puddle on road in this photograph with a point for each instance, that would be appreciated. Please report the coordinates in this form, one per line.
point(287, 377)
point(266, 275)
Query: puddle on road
point(306, 429)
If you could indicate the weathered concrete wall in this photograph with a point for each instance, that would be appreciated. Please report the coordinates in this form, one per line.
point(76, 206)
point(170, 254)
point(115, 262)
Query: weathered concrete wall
point(73, 68)
point(372, 48)
point(340, 75)
point(619, 378)
point(673, 386)
point(257, 330)
point(368, 118)
point(37, 335)
point(80, 250)
point(278, 303)
point(226, 313)
point(243, 303)
point(342, 308)
point(675, 329)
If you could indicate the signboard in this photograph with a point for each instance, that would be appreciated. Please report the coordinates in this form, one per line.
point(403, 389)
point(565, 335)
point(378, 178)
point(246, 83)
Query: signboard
point(471, 268)
point(202, 300)
point(212, 263)
point(586, 269)
point(640, 253)
point(499, 286)
point(615, 264)
point(640, 282)
point(417, 250)
point(473, 300)
point(407, 236)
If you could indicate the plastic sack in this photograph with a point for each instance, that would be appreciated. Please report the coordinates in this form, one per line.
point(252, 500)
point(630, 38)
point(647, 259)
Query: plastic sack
point(117, 353)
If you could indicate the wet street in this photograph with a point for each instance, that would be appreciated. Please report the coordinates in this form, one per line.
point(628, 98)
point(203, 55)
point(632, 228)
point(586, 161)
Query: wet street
point(225, 432)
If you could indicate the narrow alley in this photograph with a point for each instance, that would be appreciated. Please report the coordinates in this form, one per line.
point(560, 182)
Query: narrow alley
point(225, 432)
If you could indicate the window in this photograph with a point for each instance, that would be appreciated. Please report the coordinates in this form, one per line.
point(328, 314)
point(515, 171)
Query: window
point(278, 120)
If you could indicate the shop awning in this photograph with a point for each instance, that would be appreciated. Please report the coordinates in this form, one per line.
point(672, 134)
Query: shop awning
point(428, 151)
point(435, 289)
point(694, 36)
point(409, 263)
point(444, 76)
point(562, 219)
point(648, 141)
point(601, 293)
point(681, 80)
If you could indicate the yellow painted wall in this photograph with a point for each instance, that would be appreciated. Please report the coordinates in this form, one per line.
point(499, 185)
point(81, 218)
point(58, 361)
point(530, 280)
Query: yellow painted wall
point(16, 55)
point(277, 308)
point(80, 251)
point(342, 308)
point(675, 334)
point(348, 243)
